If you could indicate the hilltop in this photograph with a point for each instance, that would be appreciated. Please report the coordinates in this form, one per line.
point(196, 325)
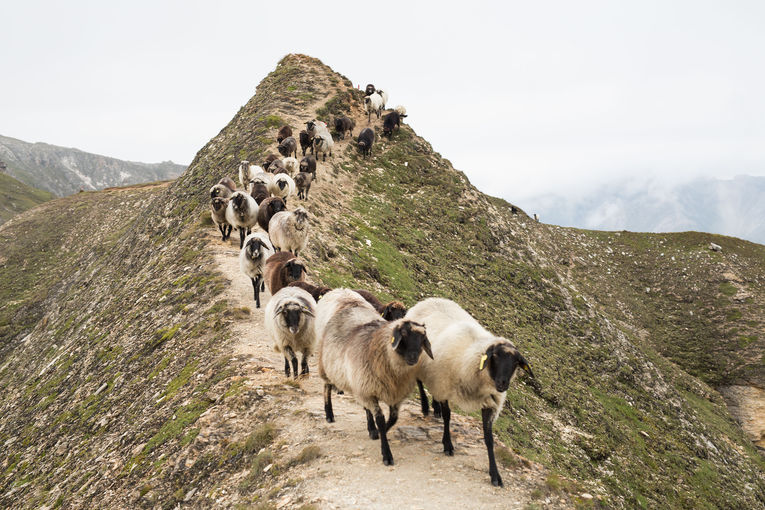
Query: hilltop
point(16, 197)
point(133, 377)
point(63, 171)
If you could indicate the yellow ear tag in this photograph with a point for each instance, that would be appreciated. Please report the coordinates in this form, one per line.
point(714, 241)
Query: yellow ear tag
point(393, 339)
point(483, 360)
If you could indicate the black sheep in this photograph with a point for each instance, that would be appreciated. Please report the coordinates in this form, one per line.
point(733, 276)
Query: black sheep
point(366, 139)
point(284, 132)
point(390, 121)
point(306, 141)
point(343, 124)
point(308, 164)
point(288, 147)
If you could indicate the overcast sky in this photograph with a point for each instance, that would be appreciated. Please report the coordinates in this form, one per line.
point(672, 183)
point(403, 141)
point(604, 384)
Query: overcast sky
point(525, 97)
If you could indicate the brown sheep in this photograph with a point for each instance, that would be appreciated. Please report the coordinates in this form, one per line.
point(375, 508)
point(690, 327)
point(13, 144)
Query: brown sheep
point(315, 291)
point(284, 132)
point(283, 268)
point(390, 312)
point(267, 209)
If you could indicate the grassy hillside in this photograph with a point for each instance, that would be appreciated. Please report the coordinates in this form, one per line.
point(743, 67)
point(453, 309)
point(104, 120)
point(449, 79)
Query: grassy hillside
point(17, 197)
point(114, 347)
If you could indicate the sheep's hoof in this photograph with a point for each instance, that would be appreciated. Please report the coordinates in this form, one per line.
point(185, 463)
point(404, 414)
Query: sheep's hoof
point(449, 452)
point(497, 482)
point(373, 434)
point(388, 462)
point(330, 419)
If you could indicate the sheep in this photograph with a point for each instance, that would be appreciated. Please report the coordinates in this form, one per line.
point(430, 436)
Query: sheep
point(218, 207)
point(303, 183)
point(244, 173)
point(288, 147)
point(267, 209)
point(401, 111)
point(366, 140)
point(369, 90)
point(323, 143)
point(343, 124)
point(283, 268)
point(315, 291)
point(284, 132)
point(292, 165)
point(289, 322)
point(390, 312)
point(362, 354)
point(308, 164)
point(242, 213)
point(390, 121)
point(282, 186)
point(306, 141)
point(373, 104)
point(259, 192)
point(252, 261)
point(314, 127)
point(472, 368)
point(289, 230)
point(275, 166)
point(384, 96)
point(224, 188)
point(266, 162)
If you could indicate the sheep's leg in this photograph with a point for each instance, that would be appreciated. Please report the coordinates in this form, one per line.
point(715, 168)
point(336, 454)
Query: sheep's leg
point(256, 290)
point(286, 366)
point(447, 439)
point(328, 414)
point(241, 237)
point(436, 409)
point(488, 439)
point(262, 285)
point(423, 398)
point(304, 365)
point(293, 357)
point(371, 427)
point(387, 456)
point(392, 416)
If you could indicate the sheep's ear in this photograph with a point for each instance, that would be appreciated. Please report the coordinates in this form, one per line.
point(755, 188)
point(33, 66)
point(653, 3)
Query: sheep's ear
point(396, 338)
point(304, 269)
point(426, 347)
point(485, 358)
point(307, 311)
point(525, 365)
point(279, 310)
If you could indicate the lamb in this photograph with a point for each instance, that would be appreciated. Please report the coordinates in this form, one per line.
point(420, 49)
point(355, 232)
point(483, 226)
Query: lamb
point(288, 147)
point(373, 104)
point(218, 207)
point(306, 141)
point(252, 261)
point(292, 165)
point(375, 360)
point(343, 124)
point(242, 213)
point(244, 173)
point(289, 230)
point(369, 90)
point(401, 111)
point(267, 209)
point(472, 368)
point(366, 140)
point(282, 186)
point(390, 121)
point(283, 268)
point(289, 322)
point(308, 164)
point(384, 96)
point(315, 291)
point(390, 312)
point(303, 183)
point(323, 143)
point(284, 132)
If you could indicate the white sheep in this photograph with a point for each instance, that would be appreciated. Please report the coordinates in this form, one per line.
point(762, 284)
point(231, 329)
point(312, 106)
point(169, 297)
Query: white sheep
point(218, 206)
point(363, 354)
point(289, 230)
point(282, 186)
point(471, 368)
point(242, 214)
point(252, 261)
point(289, 322)
point(384, 96)
point(401, 110)
point(323, 142)
point(292, 165)
point(373, 104)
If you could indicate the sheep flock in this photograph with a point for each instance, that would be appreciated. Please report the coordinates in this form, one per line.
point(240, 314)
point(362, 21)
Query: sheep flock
point(377, 352)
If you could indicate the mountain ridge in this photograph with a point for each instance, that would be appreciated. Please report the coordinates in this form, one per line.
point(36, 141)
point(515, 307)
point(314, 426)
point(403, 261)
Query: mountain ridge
point(64, 171)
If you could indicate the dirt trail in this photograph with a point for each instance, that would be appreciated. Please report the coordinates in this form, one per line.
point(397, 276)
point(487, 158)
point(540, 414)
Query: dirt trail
point(350, 472)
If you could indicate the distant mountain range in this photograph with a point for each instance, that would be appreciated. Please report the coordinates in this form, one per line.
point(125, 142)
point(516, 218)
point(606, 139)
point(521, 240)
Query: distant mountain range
point(64, 171)
point(734, 207)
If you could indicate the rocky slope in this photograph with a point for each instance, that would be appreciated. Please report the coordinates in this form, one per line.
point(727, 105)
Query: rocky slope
point(17, 197)
point(63, 171)
point(126, 383)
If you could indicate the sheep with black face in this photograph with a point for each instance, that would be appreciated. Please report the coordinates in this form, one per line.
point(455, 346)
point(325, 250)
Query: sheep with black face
point(471, 368)
point(267, 209)
point(242, 214)
point(391, 121)
point(288, 321)
point(343, 124)
point(366, 140)
point(252, 261)
point(218, 207)
point(283, 268)
point(288, 147)
point(306, 141)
